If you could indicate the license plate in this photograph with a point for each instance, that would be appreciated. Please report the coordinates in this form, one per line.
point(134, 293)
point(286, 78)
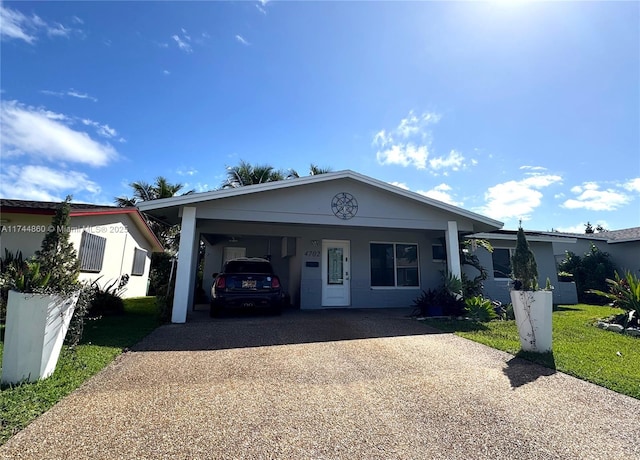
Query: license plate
point(250, 284)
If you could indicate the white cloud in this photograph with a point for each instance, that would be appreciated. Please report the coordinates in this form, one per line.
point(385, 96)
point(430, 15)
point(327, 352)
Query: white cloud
point(579, 228)
point(409, 144)
point(74, 93)
point(533, 168)
point(182, 43)
point(77, 20)
point(261, 9)
point(633, 185)
point(71, 92)
point(42, 135)
point(454, 161)
point(166, 72)
point(102, 130)
point(401, 185)
point(242, 40)
point(32, 182)
point(404, 155)
point(517, 199)
point(15, 25)
point(591, 197)
point(187, 171)
point(441, 193)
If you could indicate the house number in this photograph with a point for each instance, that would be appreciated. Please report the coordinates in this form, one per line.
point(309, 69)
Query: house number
point(312, 253)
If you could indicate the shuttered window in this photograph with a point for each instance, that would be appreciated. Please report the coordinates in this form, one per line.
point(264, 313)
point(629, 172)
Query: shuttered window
point(91, 252)
point(139, 259)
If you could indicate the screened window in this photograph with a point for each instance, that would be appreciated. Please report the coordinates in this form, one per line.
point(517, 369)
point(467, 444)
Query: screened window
point(394, 265)
point(139, 259)
point(501, 262)
point(91, 252)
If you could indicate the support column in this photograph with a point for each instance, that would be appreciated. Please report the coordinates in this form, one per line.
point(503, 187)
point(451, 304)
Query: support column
point(186, 262)
point(453, 249)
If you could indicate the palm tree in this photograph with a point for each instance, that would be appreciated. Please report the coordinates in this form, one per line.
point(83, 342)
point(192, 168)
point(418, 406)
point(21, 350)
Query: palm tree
point(314, 170)
point(248, 174)
point(161, 188)
point(143, 191)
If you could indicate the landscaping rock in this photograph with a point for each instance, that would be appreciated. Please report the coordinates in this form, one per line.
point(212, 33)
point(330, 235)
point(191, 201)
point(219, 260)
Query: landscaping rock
point(615, 328)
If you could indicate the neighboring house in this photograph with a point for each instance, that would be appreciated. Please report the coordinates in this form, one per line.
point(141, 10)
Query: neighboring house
point(110, 241)
point(622, 245)
point(550, 250)
point(498, 264)
point(339, 239)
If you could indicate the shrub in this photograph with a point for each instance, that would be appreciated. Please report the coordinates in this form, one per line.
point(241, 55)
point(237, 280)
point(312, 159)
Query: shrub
point(624, 293)
point(107, 301)
point(480, 309)
point(590, 272)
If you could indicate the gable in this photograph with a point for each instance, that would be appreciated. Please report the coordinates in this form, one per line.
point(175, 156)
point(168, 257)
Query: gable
point(309, 200)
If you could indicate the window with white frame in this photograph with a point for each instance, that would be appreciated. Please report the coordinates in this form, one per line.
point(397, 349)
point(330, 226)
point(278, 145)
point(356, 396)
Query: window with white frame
point(91, 252)
point(139, 259)
point(501, 262)
point(394, 265)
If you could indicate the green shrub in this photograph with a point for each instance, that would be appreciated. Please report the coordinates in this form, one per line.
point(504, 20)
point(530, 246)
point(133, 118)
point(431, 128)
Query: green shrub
point(107, 300)
point(590, 272)
point(624, 293)
point(480, 309)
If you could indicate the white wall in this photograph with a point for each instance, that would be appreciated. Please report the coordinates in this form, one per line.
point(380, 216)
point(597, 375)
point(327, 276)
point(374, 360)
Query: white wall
point(25, 232)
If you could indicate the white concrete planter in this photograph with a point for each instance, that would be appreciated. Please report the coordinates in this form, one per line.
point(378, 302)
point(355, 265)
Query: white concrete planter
point(533, 310)
point(35, 329)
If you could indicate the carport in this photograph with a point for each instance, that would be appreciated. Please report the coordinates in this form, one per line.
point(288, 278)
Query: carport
point(339, 239)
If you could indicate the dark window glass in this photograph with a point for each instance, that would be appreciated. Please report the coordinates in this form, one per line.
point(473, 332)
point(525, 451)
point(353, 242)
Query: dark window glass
point(382, 264)
point(501, 263)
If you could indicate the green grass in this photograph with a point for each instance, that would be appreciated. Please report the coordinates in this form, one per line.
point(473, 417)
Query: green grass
point(580, 349)
point(103, 340)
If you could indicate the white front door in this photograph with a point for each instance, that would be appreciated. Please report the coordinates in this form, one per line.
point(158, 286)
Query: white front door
point(336, 273)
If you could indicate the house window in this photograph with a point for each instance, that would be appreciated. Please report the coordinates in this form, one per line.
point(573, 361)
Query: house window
point(501, 262)
point(139, 259)
point(91, 252)
point(438, 253)
point(394, 265)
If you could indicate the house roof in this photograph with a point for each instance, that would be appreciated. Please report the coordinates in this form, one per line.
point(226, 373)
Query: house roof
point(194, 198)
point(512, 235)
point(610, 236)
point(48, 208)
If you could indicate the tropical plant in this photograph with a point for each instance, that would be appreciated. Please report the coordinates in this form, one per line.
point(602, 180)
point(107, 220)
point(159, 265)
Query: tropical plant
point(161, 188)
point(314, 170)
point(624, 293)
point(523, 265)
point(473, 286)
point(480, 309)
point(107, 300)
point(590, 272)
point(247, 174)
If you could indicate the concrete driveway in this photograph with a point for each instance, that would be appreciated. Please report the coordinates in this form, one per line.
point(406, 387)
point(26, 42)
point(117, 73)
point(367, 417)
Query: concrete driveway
point(328, 385)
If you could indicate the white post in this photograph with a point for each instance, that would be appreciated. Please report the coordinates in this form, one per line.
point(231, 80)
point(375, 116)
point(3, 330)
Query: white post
point(453, 249)
point(186, 262)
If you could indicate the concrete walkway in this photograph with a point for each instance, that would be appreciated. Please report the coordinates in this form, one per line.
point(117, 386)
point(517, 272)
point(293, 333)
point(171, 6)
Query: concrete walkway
point(328, 385)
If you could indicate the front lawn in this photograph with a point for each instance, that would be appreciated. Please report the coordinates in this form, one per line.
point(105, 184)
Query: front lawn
point(103, 340)
point(580, 349)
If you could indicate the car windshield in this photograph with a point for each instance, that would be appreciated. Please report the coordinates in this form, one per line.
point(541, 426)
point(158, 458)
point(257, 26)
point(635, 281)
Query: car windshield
point(248, 267)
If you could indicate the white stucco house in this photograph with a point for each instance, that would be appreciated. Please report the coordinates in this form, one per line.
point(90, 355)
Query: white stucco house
point(339, 239)
point(110, 241)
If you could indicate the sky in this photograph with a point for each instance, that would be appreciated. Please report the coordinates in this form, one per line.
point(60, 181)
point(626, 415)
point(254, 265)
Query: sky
point(520, 111)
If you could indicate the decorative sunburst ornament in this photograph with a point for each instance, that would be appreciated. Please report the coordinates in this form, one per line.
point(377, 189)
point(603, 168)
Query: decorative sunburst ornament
point(344, 205)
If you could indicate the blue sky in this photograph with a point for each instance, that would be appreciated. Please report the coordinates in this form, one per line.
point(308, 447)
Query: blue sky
point(515, 110)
